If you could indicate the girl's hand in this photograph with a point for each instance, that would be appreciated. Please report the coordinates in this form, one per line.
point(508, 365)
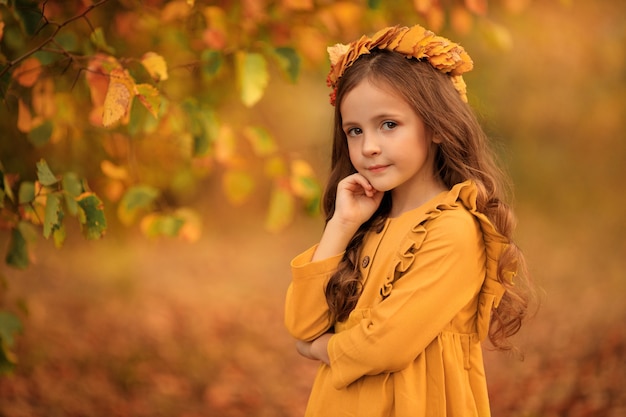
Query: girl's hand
point(356, 200)
point(315, 350)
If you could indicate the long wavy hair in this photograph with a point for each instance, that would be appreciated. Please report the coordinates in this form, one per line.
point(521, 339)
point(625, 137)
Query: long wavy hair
point(463, 153)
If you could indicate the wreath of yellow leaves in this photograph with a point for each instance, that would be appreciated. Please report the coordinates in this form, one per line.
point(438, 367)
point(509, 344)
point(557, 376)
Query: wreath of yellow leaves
point(414, 42)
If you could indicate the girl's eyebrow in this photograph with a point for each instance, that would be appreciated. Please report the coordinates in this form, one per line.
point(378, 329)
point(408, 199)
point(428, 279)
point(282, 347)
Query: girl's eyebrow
point(381, 116)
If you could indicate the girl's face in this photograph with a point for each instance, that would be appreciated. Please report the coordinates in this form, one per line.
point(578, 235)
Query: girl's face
point(389, 145)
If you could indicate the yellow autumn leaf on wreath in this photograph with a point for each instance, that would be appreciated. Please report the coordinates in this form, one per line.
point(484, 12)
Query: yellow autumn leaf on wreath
point(252, 76)
point(155, 65)
point(118, 98)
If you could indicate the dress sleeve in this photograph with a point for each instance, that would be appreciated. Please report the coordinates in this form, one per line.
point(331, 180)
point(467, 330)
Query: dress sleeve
point(444, 273)
point(306, 310)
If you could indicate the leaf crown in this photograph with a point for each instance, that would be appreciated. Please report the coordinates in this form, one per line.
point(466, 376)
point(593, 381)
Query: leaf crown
point(414, 42)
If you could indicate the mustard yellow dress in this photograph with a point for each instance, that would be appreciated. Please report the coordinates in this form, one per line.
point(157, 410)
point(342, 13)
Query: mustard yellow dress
point(411, 347)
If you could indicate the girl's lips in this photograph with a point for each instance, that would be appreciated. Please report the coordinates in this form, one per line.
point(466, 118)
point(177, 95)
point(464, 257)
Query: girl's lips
point(377, 168)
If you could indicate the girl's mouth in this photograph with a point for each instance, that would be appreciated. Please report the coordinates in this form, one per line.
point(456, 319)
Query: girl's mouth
point(375, 169)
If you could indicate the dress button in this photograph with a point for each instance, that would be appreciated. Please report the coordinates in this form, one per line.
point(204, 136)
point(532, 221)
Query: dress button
point(365, 262)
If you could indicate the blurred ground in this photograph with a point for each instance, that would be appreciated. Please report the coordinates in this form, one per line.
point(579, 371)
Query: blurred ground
point(135, 328)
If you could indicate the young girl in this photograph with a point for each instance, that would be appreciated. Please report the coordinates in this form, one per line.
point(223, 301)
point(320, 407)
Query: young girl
point(415, 265)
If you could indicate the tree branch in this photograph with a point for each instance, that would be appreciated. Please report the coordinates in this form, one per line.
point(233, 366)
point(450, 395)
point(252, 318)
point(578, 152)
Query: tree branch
point(81, 15)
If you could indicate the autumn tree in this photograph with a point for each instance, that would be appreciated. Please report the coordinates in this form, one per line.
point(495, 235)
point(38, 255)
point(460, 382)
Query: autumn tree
point(110, 108)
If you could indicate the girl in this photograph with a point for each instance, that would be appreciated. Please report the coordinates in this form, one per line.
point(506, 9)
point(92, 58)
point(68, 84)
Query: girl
point(415, 265)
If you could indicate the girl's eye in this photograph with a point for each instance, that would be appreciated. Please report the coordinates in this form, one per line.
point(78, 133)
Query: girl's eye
point(389, 125)
point(354, 131)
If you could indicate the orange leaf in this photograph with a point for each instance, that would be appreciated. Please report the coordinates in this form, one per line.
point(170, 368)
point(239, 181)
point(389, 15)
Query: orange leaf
point(435, 18)
point(175, 10)
point(461, 20)
point(477, 6)
point(27, 73)
point(298, 4)
point(24, 118)
point(216, 34)
point(225, 145)
point(422, 6)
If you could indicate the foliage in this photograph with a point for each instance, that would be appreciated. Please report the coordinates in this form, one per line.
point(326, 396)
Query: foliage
point(146, 99)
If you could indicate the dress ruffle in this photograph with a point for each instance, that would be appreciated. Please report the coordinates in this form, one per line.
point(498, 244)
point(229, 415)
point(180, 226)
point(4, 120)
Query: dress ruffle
point(495, 243)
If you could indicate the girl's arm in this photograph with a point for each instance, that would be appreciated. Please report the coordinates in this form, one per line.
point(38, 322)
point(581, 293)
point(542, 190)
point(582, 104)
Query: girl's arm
point(446, 275)
point(315, 350)
point(306, 311)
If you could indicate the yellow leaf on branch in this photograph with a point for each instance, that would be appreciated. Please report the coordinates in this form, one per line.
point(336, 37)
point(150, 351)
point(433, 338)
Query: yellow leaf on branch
point(113, 171)
point(118, 98)
point(281, 209)
point(252, 76)
point(155, 65)
point(237, 186)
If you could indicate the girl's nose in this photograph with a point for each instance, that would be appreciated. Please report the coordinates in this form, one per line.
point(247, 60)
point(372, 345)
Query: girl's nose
point(370, 145)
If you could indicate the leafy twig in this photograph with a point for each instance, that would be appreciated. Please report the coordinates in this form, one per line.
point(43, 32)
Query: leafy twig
point(50, 38)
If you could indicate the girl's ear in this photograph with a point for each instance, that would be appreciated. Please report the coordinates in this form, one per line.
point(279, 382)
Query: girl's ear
point(434, 138)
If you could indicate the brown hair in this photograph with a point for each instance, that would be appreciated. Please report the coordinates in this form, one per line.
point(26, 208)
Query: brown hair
point(462, 154)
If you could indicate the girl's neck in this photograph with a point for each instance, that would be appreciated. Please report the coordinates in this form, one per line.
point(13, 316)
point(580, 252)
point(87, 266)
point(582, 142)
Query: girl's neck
point(403, 201)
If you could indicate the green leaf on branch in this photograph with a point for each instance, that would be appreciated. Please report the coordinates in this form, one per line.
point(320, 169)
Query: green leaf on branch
point(137, 200)
point(53, 214)
point(281, 209)
point(156, 225)
point(17, 253)
point(97, 38)
point(9, 326)
point(41, 134)
point(26, 193)
point(73, 187)
point(207, 133)
point(289, 62)
point(211, 62)
point(45, 175)
point(150, 98)
point(252, 76)
point(91, 216)
point(262, 142)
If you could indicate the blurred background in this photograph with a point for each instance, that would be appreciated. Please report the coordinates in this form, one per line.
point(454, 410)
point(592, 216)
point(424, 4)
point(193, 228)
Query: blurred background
point(210, 181)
